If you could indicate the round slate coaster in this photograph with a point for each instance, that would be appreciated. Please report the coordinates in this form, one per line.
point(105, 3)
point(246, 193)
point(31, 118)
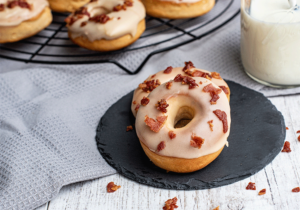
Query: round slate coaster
point(256, 137)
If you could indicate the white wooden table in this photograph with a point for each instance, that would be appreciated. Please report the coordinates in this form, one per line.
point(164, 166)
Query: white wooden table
point(279, 178)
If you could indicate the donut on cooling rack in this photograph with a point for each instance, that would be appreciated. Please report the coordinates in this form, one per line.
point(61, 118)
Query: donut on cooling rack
point(183, 124)
point(177, 9)
point(107, 25)
point(20, 19)
point(66, 5)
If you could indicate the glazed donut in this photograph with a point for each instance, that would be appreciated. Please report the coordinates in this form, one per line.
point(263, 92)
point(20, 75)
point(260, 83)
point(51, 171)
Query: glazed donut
point(169, 74)
point(20, 19)
point(67, 5)
point(106, 25)
point(177, 9)
point(197, 143)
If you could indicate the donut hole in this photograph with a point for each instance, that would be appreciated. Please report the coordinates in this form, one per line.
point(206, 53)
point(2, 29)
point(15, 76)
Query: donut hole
point(184, 116)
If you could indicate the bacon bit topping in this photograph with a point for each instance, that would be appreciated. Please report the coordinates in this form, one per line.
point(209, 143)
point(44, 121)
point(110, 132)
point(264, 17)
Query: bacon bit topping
point(185, 80)
point(200, 82)
point(77, 15)
point(196, 141)
point(298, 131)
point(298, 138)
point(155, 125)
point(119, 18)
point(172, 135)
point(137, 107)
point(153, 75)
point(286, 128)
point(251, 186)
point(223, 117)
point(197, 73)
point(188, 65)
point(210, 123)
point(296, 189)
point(145, 101)
point(129, 128)
point(225, 89)
point(286, 147)
point(100, 19)
point(83, 24)
point(2, 7)
point(148, 86)
point(161, 146)
point(216, 75)
point(111, 187)
point(20, 3)
point(171, 204)
point(214, 93)
point(119, 7)
point(162, 105)
point(169, 85)
point(134, 102)
point(262, 192)
point(218, 208)
point(168, 70)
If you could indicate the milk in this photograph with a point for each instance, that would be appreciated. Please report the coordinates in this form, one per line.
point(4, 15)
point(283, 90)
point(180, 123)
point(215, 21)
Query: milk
point(270, 42)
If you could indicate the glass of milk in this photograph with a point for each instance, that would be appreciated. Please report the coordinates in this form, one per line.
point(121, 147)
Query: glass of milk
point(270, 41)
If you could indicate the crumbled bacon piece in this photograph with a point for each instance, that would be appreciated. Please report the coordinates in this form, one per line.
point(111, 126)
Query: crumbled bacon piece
point(225, 89)
point(251, 186)
point(2, 7)
point(129, 128)
point(162, 105)
point(134, 102)
point(197, 73)
point(168, 70)
point(172, 135)
point(223, 117)
point(83, 24)
point(185, 80)
point(137, 107)
point(286, 147)
point(161, 146)
point(216, 75)
point(18, 3)
point(196, 141)
point(119, 7)
point(298, 131)
point(111, 187)
point(145, 101)
point(200, 82)
point(262, 192)
point(296, 189)
point(153, 75)
point(171, 204)
point(188, 65)
point(148, 86)
point(155, 125)
point(218, 208)
point(214, 93)
point(298, 138)
point(100, 18)
point(77, 15)
point(169, 85)
point(128, 3)
point(286, 128)
point(210, 123)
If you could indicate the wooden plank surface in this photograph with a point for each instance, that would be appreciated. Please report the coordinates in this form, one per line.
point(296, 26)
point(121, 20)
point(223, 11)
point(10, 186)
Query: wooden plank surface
point(279, 178)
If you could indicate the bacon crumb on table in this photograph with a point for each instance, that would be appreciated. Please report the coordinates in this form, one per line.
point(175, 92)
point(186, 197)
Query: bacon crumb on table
point(218, 208)
point(286, 128)
point(171, 204)
point(262, 192)
point(251, 186)
point(298, 131)
point(296, 189)
point(111, 187)
point(286, 147)
point(129, 128)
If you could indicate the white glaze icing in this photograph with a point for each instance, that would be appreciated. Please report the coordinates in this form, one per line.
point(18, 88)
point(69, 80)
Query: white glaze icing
point(178, 96)
point(16, 15)
point(122, 22)
point(139, 93)
point(183, 1)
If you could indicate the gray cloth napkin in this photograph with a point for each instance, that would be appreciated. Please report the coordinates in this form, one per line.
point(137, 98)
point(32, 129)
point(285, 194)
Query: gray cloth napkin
point(49, 114)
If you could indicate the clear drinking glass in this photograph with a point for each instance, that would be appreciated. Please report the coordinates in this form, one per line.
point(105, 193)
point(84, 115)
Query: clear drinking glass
point(270, 42)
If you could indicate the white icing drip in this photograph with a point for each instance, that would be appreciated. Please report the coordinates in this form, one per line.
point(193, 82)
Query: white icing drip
point(139, 94)
point(180, 95)
point(122, 22)
point(183, 1)
point(16, 15)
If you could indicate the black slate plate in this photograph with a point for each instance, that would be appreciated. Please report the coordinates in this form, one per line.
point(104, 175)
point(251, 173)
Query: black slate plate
point(256, 137)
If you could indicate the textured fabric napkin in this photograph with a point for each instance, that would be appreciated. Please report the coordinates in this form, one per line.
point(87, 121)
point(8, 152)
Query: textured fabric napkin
point(49, 114)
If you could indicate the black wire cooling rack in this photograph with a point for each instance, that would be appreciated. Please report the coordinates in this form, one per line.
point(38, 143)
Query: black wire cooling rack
point(52, 45)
